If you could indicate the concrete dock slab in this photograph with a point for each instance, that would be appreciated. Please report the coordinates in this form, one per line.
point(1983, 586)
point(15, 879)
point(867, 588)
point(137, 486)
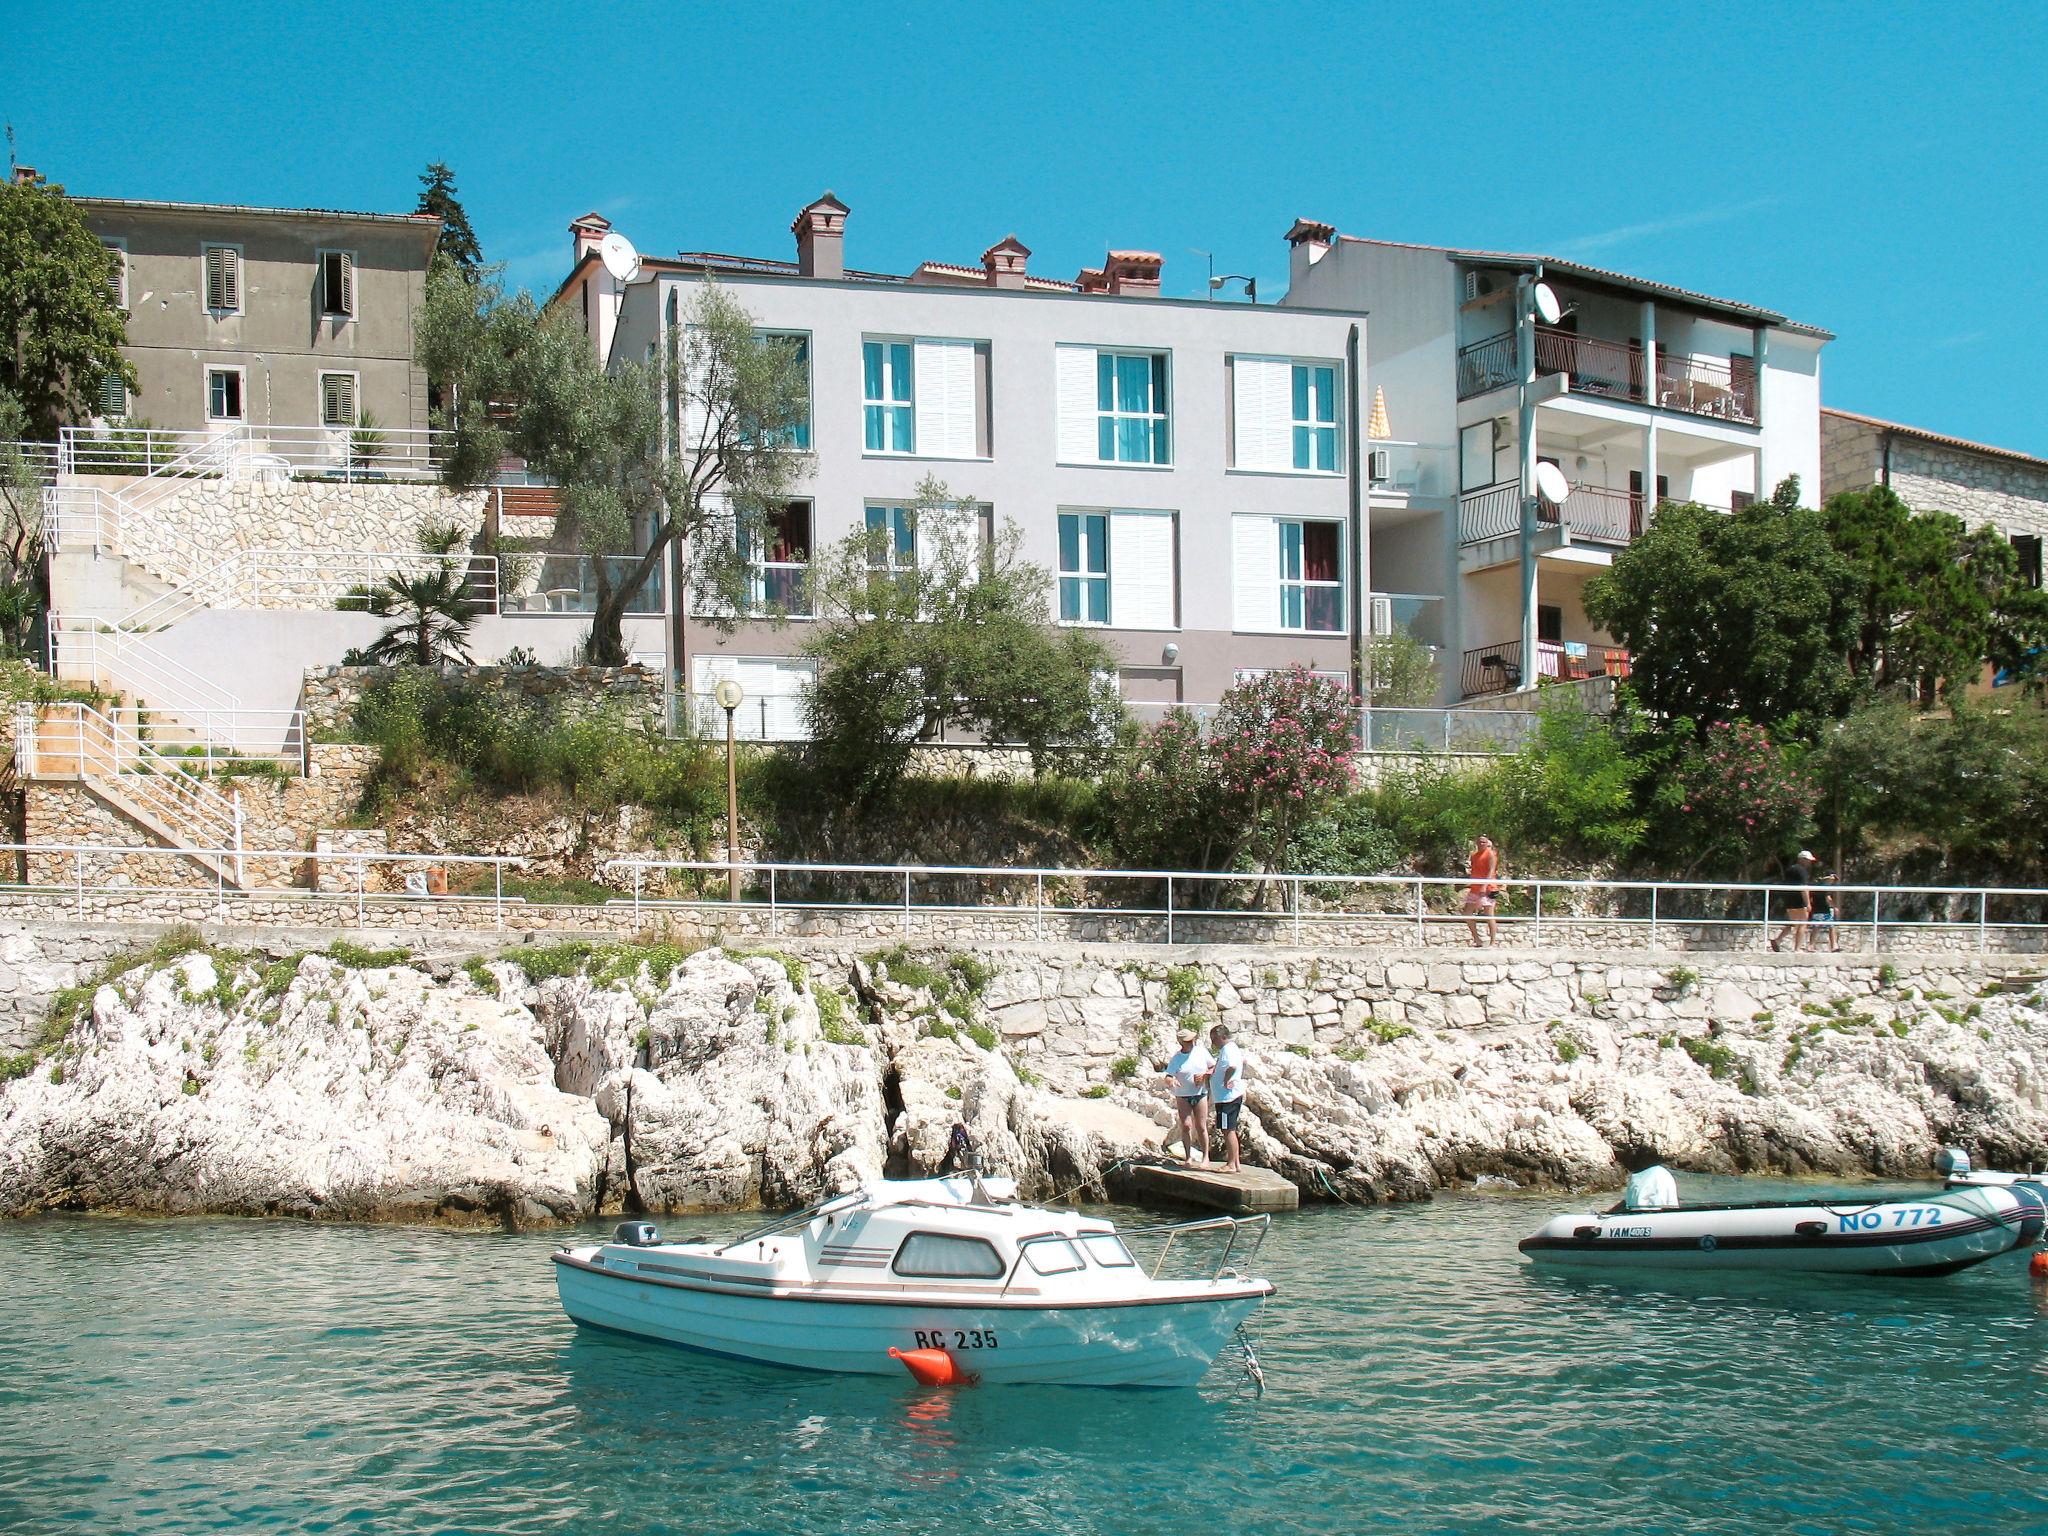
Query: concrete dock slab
point(1249, 1190)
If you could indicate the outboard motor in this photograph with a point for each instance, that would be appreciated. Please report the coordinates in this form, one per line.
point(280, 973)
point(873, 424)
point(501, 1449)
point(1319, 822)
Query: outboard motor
point(1951, 1162)
point(636, 1234)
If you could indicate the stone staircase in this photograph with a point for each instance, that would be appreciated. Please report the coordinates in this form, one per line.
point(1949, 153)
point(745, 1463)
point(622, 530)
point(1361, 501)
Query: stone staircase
point(159, 795)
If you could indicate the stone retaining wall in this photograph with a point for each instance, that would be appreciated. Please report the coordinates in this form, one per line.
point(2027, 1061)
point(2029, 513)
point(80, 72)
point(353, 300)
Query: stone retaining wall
point(330, 694)
point(236, 516)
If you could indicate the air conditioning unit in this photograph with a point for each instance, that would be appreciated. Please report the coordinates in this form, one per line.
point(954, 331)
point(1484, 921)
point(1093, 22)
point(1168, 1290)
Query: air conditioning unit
point(1380, 466)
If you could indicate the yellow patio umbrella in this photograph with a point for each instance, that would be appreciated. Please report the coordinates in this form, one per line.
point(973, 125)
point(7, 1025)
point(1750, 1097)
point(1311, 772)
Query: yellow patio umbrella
point(1377, 428)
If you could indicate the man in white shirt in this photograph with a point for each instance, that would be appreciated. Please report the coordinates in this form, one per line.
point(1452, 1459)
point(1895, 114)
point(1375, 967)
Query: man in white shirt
point(1226, 1089)
point(1187, 1076)
point(1651, 1189)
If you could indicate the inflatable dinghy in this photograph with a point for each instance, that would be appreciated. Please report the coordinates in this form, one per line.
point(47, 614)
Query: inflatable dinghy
point(1976, 1217)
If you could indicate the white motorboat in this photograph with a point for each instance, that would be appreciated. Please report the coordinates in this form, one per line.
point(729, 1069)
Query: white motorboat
point(1976, 1217)
point(951, 1273)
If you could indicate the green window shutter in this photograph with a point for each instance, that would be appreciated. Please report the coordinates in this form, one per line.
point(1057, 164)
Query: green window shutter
point(113, 397)
point(337, 400)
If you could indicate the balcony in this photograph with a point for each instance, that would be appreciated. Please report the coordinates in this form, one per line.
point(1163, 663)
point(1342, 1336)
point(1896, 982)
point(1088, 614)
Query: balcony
point(1498, 668)
point(1721, 388)
point(1590, 512)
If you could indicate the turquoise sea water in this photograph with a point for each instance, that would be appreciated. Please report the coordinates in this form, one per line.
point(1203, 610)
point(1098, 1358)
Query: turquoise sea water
point(173, 1377)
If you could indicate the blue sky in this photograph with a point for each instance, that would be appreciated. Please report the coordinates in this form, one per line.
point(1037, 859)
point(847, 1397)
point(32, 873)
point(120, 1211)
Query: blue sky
point(1876, 169)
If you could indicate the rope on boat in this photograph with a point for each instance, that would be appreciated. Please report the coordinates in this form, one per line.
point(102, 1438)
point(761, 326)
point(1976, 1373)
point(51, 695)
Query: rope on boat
point(1249, 1359)
point(1324, 1178)
point(1100, 1175)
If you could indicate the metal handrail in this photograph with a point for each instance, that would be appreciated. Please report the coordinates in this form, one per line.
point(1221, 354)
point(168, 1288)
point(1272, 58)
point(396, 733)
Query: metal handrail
point(1303, 905)
point(1170, 1231)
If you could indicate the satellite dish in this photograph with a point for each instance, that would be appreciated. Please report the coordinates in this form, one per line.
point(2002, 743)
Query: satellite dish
point(728, 693)
point(1551, 484)
point(1548, 310)
point(619, 257)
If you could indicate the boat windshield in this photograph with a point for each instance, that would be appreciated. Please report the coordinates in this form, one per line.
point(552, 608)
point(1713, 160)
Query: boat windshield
point(1107, 1250)
point(1052, 1255)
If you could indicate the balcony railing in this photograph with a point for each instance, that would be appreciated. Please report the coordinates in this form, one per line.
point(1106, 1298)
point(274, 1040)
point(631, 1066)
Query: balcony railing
point(1490, 514)
point(1485, 365)
point(1590, 512)
point(1498, 668)
point(258, 452)
point(1593, 364)
point(1706, 386)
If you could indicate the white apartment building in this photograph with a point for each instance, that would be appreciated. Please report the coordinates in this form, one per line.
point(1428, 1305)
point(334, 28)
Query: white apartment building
point(1637, 393)
point(1184, 468)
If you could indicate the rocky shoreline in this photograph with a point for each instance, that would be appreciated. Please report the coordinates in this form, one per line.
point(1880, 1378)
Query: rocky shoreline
point(551, 1085)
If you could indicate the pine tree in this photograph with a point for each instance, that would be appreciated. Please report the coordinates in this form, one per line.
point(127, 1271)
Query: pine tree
point(458, 241)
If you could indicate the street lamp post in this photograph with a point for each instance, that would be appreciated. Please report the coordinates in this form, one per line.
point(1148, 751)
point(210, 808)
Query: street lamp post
point(730, 696)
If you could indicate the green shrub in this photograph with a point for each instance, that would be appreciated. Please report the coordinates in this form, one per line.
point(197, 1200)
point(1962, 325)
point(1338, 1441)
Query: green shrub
point(832, 1020)
point(357, 958)
point(1124, 1068)
point(1711, 1054)
point(981, 1035)
point(15, 1066)
point(480, 976)
point(1887, 975)
point(1096, 1091)
point(1184, 990)
point(1567, 1049)
point(1387, 1033)
point(1682, 980)
point(938, 1028)
point(1349, 1053)
point(971, 973)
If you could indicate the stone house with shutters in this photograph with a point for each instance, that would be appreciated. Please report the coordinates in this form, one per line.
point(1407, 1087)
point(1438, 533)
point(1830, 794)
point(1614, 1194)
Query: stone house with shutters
point(1184, 467)
point(1933, 473)
point(266, 317)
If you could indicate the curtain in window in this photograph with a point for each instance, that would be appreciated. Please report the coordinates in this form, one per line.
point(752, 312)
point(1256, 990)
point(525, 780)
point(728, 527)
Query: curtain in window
point(940, 1257)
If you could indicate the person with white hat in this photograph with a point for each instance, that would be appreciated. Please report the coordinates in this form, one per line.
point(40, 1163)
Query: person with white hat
point(1797, 900)
point(1187, 1075)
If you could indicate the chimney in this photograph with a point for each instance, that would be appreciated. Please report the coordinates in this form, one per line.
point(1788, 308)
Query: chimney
point(587, 232)
point(25, 176)
point(1310, 242)
point(1133, 274)
point(1091, 280)
point(820, 232)
point(1004, 262)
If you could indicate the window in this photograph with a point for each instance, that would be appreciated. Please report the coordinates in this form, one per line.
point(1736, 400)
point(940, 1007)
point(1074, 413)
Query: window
point(937, 1256)
point(1737, 500)
point(1311, 593)
point(895, 552)
point(113, 397)
point(338, 400)
point(1084, 568)
point(1549, 624)
point(1055, 1256)
point(223, 394)
point(779, 581)
point(2026, 547)
point(925, 395)
point(338, 283)
point(1283, 415)
point(1107, 1250)
point(1288, 575)
point(774, 688)
point(1114, 407)
point(798, 434)
point(1130, 403)
point(117, 275)
point(886, 397)
point(1118, 567)
point(223, 268)
point(1315, 418)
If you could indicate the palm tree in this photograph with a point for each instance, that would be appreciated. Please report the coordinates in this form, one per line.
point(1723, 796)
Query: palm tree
point(434, 612)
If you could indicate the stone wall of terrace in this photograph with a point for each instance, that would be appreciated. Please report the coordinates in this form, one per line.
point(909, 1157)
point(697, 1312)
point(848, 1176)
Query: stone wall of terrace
point(330, 694)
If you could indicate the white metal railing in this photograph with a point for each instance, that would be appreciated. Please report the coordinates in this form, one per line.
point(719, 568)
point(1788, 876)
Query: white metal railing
point(77, 741)
point(337, 452)
point(84, 878)
point(544, 582)
point(249, 738)
point(1160, 905)
point(779, 716)
point(182, 706)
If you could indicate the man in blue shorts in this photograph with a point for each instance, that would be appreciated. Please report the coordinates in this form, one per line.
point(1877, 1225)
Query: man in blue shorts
point(1226, 1088)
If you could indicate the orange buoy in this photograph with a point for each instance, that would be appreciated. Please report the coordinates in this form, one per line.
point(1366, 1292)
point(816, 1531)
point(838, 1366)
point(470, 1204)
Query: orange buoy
point(933, 1367)
point(2037, 1266)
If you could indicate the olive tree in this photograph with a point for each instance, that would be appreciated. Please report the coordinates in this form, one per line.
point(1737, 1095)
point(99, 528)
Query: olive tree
point(61, 331)
point(695, 446)
point(962, 638)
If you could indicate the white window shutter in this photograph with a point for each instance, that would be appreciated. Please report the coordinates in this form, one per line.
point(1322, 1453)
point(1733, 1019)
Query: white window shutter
point(1141, 575)
point(1075, 375)
point(956, 528)
point(1255, 573)
point(1262, 403)
point(944, 371)
point(1382, 616)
